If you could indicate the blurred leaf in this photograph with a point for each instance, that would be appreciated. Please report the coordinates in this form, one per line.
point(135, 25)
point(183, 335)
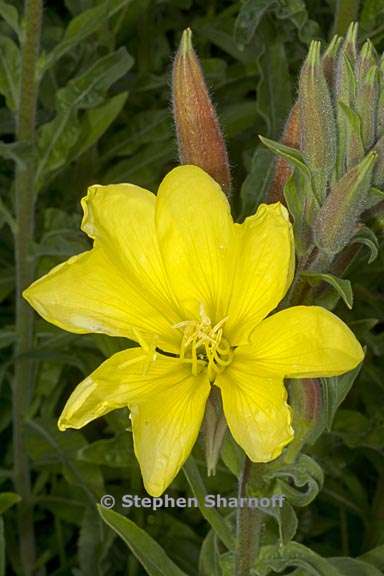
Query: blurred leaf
point(257, 181)
point(115, 452)
point(96, 121)
point(10, 15)
point(249, 18)
point(212, 516)
point(274, 87)
point(7, 500)
point(9, 71)
point(94, 542)
point(82, 26)
point(2, 548)
point(342, 286)
point(149, 553)
point(57, 138)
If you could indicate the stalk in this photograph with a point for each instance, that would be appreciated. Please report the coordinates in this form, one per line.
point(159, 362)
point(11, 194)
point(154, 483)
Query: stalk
point(25, 196)
point(249, 523)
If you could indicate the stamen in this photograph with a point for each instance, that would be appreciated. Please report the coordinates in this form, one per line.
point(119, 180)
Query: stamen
point(203, 345)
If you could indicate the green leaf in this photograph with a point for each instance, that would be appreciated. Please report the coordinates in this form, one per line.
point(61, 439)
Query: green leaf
point(294, 156)
point(297, 206)
point(277, 558)
point(274, 86)
point(335, 390)
point(249, 18)
point(209, 556)
point(212, 516)
point(342, 286)
point(80, 27)
point(375, 195)
point(115, 452)
point(96, 121)
point(57, 138)
point(9, 71)
point(375, 557)
point(354, 567)
point(367, 237)
point(8, 499)
point(10, 14)
point(150, 554)
point(94, 542)
point(257, 182)
point(300, 481)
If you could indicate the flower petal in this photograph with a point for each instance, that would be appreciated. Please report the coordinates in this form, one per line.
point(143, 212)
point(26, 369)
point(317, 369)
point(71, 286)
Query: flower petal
point(165, 429)
point(121, 219)
point(195, 231)
point(304, 342)
point(256, 409)
point(264, 269)
point(87, 293)
point(127, 377)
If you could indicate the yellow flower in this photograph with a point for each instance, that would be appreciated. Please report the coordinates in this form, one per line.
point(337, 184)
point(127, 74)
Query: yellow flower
point(175, 274)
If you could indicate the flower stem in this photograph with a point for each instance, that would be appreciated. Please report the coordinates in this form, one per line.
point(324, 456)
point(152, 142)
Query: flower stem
point(249, 523)
point(25, 197)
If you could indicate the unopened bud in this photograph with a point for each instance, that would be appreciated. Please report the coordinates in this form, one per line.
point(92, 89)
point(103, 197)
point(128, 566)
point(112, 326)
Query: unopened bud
point(215, 426)
point(337, 220)
point(367, 92)
point(283, 170)
point(318, 130)
point(329, 61)
point(346, 93)
point(199, 137)
point(380, 106)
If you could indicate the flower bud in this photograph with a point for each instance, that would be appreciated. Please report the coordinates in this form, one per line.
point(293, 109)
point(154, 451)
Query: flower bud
point(283, 170)
point(199, 137)
point(337, 220)
point(367, 92)
point(380, 107)
point(215, 427)
point(329, 61)
point(318, 130)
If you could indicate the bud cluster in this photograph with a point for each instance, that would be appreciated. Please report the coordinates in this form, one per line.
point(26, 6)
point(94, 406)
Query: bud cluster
point(332, 171)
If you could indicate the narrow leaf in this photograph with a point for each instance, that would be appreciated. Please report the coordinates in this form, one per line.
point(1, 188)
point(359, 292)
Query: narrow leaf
point(150, 554)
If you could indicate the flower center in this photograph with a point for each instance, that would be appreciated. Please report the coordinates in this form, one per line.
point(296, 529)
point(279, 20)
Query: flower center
point(204, 345)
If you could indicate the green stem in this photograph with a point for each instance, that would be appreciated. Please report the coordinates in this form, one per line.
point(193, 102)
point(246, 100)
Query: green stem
point(347, 11)
point(249, 522)
point(25, 132)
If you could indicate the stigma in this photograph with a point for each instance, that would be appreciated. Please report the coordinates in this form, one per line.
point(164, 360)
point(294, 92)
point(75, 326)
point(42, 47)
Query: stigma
point(204, 346)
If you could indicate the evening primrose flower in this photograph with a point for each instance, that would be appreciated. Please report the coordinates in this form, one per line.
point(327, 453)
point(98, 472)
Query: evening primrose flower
point(194, 289)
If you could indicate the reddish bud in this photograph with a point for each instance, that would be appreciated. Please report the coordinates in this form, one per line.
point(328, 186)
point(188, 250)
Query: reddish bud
point(199, 137)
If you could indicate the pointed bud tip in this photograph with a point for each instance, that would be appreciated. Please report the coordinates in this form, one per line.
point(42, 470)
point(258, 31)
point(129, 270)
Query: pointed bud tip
point(186, 42)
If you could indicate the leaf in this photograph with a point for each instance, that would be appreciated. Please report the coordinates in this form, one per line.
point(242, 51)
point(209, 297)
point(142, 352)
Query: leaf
point(150, 554)
point(354, 567)
point(277, 558)
point(250, 15)
point(257, 182)
point(297, 206)
point(57, 138)
point(10, 14)
point(375, 195)
point(209, 555)
point(375, 557)
point(335, 390)
point(115, 452)
point(304, 473)
point(80, 27)
point(9, 71)
point(294, 156)
point(213, 517)
point(94, 542)
point(274, 87)
point(342, 286)
point(367, 237)
point(7, 500)
point(96, 121)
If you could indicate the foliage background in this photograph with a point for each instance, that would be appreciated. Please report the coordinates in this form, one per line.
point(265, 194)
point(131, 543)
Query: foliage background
point(104, 116)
